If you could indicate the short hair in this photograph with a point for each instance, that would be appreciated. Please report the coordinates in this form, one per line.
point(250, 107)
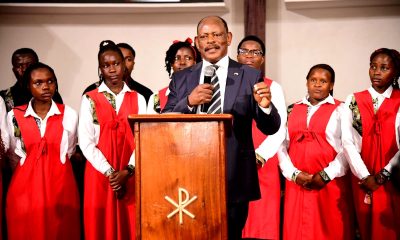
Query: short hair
point(27, 77)
point(395, 56)
point(255, 39)
point(173, 49)
point(127, 46)
point(220, 18)
point(324, 67)
point(24, 51)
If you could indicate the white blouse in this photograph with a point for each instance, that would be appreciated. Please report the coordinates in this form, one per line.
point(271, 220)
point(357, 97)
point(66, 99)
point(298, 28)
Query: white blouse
point(269, 147)
point(89, 132)
point(69, 135)
point(336, 168)
point(352, 141)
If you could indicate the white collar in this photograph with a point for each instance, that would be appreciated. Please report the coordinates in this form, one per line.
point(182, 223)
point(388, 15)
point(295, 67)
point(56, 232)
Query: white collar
point(328, 99)
point(385, 94)
point(222, 63)
point(103, 88)
point(52, 111)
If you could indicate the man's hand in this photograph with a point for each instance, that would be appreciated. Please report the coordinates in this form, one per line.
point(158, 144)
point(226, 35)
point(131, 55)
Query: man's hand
point(200, 95)
point(262, 94)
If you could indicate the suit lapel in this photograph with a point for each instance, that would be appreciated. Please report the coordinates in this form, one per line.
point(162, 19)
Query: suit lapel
point(233, 82)
point(194, 77)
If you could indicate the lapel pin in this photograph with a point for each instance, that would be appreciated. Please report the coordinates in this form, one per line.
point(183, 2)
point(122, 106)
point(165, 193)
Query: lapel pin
point(236, 74)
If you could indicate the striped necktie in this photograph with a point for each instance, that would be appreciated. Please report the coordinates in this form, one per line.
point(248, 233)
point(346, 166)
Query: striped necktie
point(215, 104)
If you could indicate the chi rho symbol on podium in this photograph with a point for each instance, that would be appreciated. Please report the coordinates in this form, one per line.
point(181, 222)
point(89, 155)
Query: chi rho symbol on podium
point(181, 204)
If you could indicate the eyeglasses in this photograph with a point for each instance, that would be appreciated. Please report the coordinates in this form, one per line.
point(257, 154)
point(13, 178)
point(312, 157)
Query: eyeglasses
point(254, 52)
point(185, 58)
point(204, 37)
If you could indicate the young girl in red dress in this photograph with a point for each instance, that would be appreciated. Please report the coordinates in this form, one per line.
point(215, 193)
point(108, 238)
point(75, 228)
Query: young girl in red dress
point(371, 140)
point(318, 201)
point(42, 200)
point(108, 144)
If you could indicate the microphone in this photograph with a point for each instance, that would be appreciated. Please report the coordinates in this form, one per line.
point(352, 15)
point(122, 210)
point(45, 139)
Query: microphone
point(208, 73)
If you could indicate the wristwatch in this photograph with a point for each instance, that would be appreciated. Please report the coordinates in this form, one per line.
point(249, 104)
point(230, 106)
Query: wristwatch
point(130, 168)
point(382, 177)
point(109, 172)
point(295, 174)
point(324, 176)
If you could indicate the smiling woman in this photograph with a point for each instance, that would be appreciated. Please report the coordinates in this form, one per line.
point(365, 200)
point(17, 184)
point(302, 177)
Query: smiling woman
point(180, 55)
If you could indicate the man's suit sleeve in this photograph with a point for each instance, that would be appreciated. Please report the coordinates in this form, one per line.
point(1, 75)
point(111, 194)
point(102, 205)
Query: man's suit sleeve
point(268, 123)
point(177, 98)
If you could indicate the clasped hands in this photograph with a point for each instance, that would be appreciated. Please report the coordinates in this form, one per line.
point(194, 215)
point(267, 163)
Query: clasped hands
point(117, 181)
point(203, 94)
point(369, 184)
point(315, 182)
point(310, 181)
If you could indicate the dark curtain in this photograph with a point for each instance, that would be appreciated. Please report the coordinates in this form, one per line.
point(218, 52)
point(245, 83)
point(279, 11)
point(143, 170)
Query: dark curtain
point(254, 19)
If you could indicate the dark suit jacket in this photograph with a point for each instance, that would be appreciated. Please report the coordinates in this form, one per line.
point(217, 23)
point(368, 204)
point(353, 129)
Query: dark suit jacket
point(238, 101)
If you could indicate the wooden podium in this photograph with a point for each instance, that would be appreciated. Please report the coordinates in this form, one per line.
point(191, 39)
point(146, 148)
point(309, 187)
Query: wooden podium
point(180, 176)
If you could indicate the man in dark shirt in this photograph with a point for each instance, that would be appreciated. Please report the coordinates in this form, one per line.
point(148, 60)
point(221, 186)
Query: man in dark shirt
point(129, 56)
point(16, 95)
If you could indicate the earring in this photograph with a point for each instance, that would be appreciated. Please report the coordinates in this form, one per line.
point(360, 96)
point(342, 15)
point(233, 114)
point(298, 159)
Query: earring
point(395, 83)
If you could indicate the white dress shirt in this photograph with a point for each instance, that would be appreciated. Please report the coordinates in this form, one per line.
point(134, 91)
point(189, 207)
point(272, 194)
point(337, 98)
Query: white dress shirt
point(339, 165)
point(269, 147)
point(222, 74)
point(89, 132)
point(352, 141)
point(69, 135)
